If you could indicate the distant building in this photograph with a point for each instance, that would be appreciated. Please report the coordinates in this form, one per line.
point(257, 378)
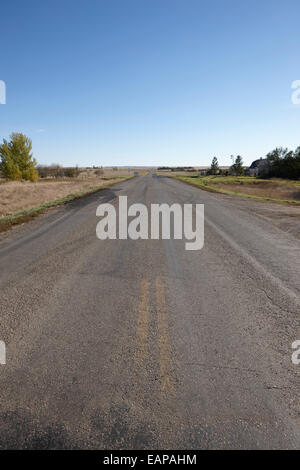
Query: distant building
point(259, 167)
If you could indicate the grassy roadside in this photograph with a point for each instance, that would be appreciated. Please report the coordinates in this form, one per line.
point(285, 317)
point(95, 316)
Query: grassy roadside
point(20, 217)
point(205, 183)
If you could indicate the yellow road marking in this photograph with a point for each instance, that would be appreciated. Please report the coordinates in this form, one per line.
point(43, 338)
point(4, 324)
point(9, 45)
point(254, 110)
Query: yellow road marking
point(142, 325)
point(165, 352)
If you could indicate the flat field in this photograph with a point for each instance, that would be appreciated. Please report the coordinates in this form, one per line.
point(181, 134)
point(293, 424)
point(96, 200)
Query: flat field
point(276, 189)
point(16, 196)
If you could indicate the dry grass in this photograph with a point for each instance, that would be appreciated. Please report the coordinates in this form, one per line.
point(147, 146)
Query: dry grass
point(17, 196)
point(268, 189)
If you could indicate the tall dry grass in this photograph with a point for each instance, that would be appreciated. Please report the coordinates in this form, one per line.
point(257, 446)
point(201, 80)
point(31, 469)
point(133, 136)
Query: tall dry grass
point(20, 195)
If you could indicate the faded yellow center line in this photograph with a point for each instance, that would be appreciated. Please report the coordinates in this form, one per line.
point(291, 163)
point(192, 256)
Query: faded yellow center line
point(167, 384)
point(142, 325)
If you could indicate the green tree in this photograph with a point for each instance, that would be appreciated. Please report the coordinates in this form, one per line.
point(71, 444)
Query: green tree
point(214, 167)
point(297, 153)
point(237, 167)
point(8, 167)
point(16, 158)
point(278, 154)
point(284, 163)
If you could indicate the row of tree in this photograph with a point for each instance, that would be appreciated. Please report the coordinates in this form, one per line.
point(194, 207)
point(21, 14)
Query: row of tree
point(280, 163)
point(236, 168)
point(57, 171)
point(177, 168)
point(284, 163)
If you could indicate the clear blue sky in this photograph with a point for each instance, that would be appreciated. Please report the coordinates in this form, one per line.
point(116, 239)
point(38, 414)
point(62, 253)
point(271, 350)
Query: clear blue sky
point(150, 82)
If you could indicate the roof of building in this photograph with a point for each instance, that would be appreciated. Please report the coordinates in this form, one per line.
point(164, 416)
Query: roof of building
point(259, 162)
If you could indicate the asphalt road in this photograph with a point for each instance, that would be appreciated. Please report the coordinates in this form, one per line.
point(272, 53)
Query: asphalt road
point(142, 344)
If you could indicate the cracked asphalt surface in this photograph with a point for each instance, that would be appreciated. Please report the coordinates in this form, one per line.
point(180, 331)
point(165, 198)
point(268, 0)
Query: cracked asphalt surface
point(123, 344)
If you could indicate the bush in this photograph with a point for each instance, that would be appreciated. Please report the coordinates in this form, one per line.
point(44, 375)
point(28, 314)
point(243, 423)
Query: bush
point(57, 171)
point(42, 171)
point(71, 172)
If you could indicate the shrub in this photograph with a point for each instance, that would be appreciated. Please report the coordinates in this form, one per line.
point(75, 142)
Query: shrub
point(71, 172)
point(57, 171)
